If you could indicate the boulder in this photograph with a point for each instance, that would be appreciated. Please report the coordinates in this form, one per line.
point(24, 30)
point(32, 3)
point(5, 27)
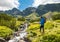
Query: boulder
point(2, 40)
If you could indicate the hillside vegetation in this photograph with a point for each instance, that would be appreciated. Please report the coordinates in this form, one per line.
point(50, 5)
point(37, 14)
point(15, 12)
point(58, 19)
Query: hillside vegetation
point(52, 29)
point(11, 20)
point(8, 25)
point(52, 32)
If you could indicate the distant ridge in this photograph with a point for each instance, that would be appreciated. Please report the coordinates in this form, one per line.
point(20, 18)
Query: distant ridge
point(41, 9)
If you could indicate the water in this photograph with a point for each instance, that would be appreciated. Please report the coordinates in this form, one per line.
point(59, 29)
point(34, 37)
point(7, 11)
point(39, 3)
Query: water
point(22, 34)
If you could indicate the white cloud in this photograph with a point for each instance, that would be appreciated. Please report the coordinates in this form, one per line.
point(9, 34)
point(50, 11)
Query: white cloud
point(42, 2)
point(8, 4)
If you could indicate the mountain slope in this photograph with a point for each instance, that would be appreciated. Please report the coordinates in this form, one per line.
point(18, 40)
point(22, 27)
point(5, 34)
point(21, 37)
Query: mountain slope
point(40, 10)
point(14, 11)
point(33, 16)
point(29, 10)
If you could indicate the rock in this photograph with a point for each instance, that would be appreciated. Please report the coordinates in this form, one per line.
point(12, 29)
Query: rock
point(2, 40)
point(26, 39)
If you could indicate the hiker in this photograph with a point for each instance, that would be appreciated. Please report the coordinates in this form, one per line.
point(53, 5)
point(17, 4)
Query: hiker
point(42, 21)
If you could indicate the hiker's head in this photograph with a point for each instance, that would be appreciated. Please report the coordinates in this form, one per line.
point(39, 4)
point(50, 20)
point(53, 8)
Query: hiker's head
point(41, 17)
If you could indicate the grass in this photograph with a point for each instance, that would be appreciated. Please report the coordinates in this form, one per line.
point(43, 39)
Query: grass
point(5, 31)
point(52, 30)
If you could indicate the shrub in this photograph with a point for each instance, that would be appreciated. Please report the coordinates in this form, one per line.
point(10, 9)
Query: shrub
point(5, 31)
point(56, 17)
point(49, 25)
point(58, 21)
point(21, 19)
point(8, 20)
point(5, 16)
point(50, 38)
point(11, 24)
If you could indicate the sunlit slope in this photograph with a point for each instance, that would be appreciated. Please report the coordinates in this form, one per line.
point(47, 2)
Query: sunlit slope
point(52, 32)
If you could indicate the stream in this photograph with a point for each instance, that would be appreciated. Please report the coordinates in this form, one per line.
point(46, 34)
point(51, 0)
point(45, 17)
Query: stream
point(22, 34)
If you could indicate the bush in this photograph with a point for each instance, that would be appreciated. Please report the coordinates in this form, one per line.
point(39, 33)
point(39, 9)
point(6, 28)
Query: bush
point(5, 31)
point(11, 24)
point(58, 21)
point(5, 16)
point(56, 17)
point(48, 38)
point(33, 26)
point(8, 20)
point(34, 20)
point(21, 19)
point(49, 25)
point(51, 38)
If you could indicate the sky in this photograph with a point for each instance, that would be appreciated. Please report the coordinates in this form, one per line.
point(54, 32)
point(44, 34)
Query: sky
point(23, 4)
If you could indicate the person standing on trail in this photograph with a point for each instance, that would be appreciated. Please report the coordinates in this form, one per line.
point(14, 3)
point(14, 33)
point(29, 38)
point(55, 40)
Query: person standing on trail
point(42, 21)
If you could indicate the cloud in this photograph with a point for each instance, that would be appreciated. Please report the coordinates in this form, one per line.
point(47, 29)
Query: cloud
point(8, 4)
point(43, 2)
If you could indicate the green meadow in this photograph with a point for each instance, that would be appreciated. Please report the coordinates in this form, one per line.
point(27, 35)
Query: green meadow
point(10, 24)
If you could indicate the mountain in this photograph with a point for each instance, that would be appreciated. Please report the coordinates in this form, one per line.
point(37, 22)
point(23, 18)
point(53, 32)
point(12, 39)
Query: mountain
point(29, 10)
point(14, 11)
point(40, 10)
point(32, 15)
